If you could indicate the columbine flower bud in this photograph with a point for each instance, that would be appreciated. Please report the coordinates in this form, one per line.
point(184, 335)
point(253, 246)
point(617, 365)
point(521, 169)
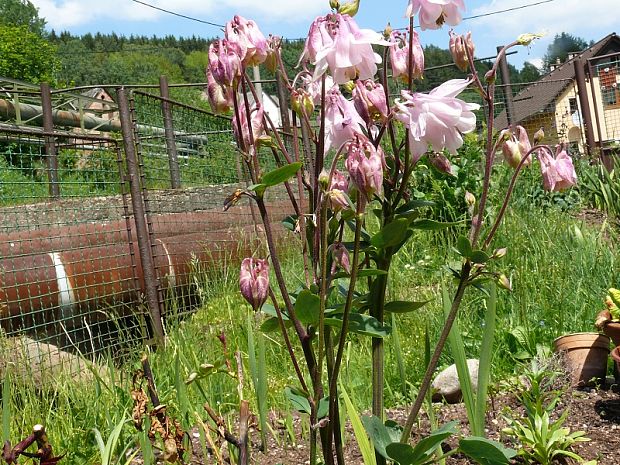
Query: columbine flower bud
point(341, 256)
point(503, 281)
point(489, 76)
point(323, 179)
point(220, 97)
point(441, 162)
point(515, 146)
point(527, 39)
point(350, 8)
point(301, 98)
point(459, 45)
point(500, 253)
point(338, 200)
point(470, 200)
point(387, 31)
point(365, 165)
point(254, 281)
point(369, 101)
point(273, 45)
point(334, 4)
point(539, 136)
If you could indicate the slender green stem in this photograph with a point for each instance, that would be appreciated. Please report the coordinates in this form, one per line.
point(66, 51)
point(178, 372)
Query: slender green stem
point(432, 366)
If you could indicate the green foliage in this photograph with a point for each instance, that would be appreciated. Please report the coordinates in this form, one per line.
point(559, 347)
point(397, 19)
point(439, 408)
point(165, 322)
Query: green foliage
point(600, 188)
point(541, 439)
point(26, 56)
point(21, 13)
point(561, 46)
point(448, 192)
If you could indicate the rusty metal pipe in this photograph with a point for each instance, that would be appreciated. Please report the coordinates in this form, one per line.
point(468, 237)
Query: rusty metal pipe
point(66, 286)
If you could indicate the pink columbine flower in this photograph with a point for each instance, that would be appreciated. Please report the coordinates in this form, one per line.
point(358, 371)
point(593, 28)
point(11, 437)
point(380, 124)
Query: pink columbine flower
point(459, 45)
point(254, 281)
point(437, 118)
point(434, 13)
point(336, 42)
point(341, 257)
point(314, 87)
point(399, 56)
point(252, 44)
point(558, 173)
point(258, 129)
point(515, 146)
point(341, 119)
point(220, 97)
point(225, 62)
point(365, 164)
point(369, 101)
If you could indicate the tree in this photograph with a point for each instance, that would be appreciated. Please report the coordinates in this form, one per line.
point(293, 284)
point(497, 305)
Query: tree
point(21, 13)
point(561, 46)
point(25, 55)
point(195, 64)
point(529, 73)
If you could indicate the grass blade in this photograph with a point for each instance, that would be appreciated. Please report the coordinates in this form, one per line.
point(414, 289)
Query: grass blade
point(366, 448)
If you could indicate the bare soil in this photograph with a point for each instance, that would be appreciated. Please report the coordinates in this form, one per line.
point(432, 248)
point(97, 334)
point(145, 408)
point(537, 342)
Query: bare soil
point(595, 411)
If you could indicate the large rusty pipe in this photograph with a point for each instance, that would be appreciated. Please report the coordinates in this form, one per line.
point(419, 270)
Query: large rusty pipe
point(63, 238)
point(61, 286)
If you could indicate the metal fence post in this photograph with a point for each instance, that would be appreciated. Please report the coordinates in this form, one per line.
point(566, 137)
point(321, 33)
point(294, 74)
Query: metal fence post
point(50, 142)
point(173, 157)
point(144, 243)
point(584, 104)
point(505, 72)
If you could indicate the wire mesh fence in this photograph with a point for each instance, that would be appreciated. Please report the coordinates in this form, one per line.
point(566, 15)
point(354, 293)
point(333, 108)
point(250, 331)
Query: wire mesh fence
point(68, 274)
point(112, 226)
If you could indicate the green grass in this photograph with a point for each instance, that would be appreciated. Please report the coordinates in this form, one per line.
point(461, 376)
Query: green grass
point(560, 269)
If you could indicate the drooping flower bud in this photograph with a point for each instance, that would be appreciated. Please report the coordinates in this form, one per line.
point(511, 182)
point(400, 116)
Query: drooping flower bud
point(225, 62)
point(242, 134)
point(470, 199)
point(441, 162)
point(334, 4)
point(504, 282)
point(387, 32)
point(338, 187)
point(220, 97)
point(528, 38)
point(254, 281)
point(323, 179)
point(459, 45)
point(365, 164)
point(273, 47)
point(539, 136)
point(341, 256)
point(350, 8)
point(301, 100)
point(558, 173)
point(500, 253)
point(369, 100)
point(250, 40)
point(399, 56)
point(515, 146)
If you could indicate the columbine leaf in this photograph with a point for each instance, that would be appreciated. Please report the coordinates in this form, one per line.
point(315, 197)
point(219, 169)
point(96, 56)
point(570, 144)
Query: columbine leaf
point(362, 324)
point(279, 175)
point(307, 307)
point(391, 234)
point(432, 225)
point(485, 451)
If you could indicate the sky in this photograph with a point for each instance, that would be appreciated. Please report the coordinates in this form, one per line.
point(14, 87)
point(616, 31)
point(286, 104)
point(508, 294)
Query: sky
point(591, 19)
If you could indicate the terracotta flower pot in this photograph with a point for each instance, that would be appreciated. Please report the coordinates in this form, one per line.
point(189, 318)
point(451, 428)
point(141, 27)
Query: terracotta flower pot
point(612, 329)
point(585, 356)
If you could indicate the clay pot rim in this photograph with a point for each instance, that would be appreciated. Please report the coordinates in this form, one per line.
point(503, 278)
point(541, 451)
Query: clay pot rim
point(582, 340)
point(612, 323)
